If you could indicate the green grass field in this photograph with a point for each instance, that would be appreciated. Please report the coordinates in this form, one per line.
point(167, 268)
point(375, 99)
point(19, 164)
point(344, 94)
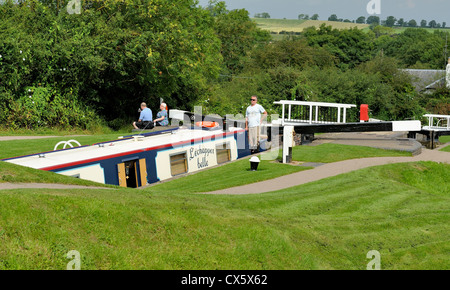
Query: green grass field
point(400, 210)
point(443, 140)
point(15, 148)
point(397, 210)
point(292, 25)
point(327, 153)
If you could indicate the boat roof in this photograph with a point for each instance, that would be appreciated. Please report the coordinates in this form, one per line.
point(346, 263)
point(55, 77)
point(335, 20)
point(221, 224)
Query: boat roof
point(126, 145)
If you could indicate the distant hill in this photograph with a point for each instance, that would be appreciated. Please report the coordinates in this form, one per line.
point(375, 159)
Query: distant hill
point(293, 25)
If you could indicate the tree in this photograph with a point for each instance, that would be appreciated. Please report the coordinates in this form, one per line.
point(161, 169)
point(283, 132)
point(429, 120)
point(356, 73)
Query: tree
point(417, 47)
point(361, 20)
point(373, 20)
point(423, 23)
point(350, 46)
point(402, 101)
point(303, 17)
point(390, 21)
point(383, 30)
point(238, 34)
point(315, 17)
point(262, 15)
point(432, 24)
point(401, 22)
point(412, 23)
point(333, 17)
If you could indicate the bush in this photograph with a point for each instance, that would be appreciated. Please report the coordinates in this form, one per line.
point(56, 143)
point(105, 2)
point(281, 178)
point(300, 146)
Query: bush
point(44, 107)
point(438, 102)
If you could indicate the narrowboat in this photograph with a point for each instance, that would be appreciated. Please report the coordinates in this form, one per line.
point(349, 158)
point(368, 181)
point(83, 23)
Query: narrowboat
point(145, 158)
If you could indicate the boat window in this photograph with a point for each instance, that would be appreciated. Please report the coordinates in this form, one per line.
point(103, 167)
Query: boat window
point(178, 164)
point(223, 153)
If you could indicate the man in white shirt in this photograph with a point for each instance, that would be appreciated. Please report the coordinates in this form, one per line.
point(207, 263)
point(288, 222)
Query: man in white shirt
point(253, 121)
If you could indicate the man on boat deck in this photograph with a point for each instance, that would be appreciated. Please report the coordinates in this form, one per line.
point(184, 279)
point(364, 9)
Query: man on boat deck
point(145, 119)
point(253, 120)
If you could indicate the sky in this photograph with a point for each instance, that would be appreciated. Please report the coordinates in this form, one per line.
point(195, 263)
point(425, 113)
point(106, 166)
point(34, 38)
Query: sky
point(438, 10)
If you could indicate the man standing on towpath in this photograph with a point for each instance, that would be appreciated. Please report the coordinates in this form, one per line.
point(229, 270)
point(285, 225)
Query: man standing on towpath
point(253, 121)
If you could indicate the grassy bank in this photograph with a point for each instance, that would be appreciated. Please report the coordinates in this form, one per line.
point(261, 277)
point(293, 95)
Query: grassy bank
point(329, 224)
point(327, 153)
point(15, 148)
point(443, 140)
point(400, 210)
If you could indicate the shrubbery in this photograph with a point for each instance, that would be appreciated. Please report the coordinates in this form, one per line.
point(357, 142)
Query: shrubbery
point(44, 107)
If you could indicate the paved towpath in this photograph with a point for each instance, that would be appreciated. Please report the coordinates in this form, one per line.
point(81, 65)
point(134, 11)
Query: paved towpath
point(329, 170)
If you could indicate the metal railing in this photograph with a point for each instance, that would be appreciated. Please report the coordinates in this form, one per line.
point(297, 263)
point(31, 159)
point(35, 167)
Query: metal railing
point(313, 112)
point(437, 122)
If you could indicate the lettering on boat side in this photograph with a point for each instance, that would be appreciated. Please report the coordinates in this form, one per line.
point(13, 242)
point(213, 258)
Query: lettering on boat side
point(201, 154)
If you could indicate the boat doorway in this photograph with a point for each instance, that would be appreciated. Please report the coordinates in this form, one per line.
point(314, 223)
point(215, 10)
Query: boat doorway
point(132, 173)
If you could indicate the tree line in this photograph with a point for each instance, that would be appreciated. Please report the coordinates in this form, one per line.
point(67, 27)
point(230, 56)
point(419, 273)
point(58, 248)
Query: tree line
point(391, 21)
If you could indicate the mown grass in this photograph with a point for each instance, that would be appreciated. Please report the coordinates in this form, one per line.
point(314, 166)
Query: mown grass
point(13, 173)
point(238, 173)
point(14, 148)
point(443, 140)
point(400, 210)
point(328, 152)
point(233, 174)
point(7, 131)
